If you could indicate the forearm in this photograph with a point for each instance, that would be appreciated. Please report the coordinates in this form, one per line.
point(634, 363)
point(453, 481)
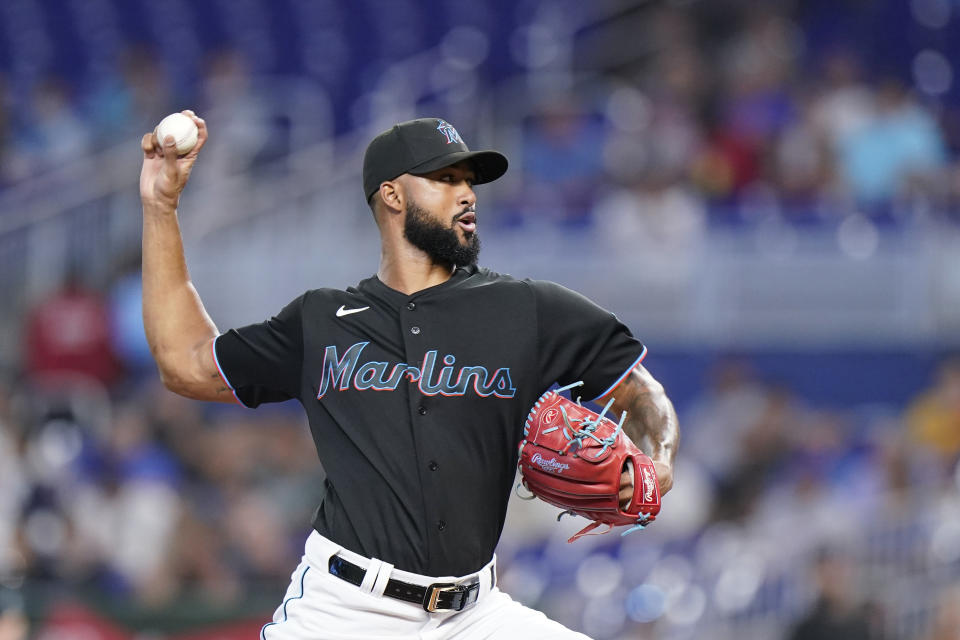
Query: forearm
point(651, 419)
point(175, 321)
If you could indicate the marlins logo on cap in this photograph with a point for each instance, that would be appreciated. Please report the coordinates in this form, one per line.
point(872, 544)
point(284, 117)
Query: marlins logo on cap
point(447, 129)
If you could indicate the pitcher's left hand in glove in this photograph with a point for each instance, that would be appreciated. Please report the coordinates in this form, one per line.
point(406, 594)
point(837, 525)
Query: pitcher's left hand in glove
point(573, 458)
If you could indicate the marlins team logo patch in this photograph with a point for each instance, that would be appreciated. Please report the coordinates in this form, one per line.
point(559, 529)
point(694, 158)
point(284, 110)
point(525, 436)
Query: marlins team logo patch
point(447, 129)
point(437, 375)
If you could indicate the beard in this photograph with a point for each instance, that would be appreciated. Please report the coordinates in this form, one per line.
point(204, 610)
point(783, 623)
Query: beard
point(440, 243)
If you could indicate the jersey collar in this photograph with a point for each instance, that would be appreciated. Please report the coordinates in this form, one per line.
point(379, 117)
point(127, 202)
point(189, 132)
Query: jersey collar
point(374, 285)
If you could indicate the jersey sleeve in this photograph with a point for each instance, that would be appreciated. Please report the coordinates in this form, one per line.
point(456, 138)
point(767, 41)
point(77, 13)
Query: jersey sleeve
point(263, 362)
point(579, 340)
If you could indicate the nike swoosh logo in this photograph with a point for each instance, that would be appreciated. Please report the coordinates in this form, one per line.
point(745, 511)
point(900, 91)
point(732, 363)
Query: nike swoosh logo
point(345, 312)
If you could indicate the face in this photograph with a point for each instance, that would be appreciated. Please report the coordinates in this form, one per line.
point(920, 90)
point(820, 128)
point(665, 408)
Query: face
point(441, 215)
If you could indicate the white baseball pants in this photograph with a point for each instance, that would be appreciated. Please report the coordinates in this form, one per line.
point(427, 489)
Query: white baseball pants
point(319, 605)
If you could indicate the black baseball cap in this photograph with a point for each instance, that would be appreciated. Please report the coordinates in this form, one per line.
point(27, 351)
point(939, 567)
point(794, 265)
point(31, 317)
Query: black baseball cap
point(421, 146)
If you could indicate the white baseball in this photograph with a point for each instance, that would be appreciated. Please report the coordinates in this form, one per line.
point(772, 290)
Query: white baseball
point(183, 130)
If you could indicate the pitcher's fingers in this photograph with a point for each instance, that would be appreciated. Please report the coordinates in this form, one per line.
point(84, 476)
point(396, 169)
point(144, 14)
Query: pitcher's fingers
point(626, 488)
point(155, 143)
point(201, 133)
point(146, 144)
point(626, 482)
point(170, 155)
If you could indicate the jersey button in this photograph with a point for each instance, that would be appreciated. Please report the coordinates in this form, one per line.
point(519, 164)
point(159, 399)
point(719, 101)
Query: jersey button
point(433, 465)
point(441, 525)
point(411, 306)
point(415, 330)
point(422, 410)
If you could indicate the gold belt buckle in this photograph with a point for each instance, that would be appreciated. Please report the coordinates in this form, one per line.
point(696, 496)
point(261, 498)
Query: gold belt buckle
point(430, 604)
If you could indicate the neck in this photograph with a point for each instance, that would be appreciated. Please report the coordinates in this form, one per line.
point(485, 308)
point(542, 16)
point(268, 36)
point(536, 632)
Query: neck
point(407, 269)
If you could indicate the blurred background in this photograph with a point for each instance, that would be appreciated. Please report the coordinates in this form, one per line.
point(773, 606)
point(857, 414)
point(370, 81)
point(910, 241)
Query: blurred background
point(766, 192)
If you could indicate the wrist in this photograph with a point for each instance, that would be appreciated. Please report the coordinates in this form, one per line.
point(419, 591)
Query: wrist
point(660, 456)
point(158, 207)
point(662, 467)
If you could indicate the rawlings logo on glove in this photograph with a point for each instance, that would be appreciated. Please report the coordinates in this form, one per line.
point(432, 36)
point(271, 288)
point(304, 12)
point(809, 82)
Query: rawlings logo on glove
point(573, 458)
point(548, 465)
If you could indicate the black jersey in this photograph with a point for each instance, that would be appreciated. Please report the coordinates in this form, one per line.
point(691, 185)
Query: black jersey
point(416, 402)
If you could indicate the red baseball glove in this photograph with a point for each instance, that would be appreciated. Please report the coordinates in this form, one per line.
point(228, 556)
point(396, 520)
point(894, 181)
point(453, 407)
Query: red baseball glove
point(573, 457)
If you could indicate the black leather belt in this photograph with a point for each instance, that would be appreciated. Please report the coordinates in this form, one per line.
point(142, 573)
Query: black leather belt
point(439, 596)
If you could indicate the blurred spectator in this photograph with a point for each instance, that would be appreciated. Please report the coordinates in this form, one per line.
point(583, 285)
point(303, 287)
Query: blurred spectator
point(946, 620)
point(130, 99)
point(933, 418)
point(68, 337)
point(803, 162)
point(562, 161)
point(6, 132)
point(753, 106)
point(13, 484)
point(727, 163)
point(50, 131)
point(240, 112)
point(838, 613)
point(758, 64)
point(763, 446)
point(125, 506)
point(844, 103)
point(650, 211)
point(13, 622)
point(201, 566)
point(680, 71)
point(127, 335)
point(899, 147)
point(654, 218)
point(718, 420)
point(45, 535)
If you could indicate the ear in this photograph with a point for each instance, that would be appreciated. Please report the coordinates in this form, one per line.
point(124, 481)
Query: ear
point(392, 196)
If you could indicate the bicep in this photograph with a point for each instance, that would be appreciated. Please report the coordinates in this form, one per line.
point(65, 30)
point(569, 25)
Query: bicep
point(637, 387)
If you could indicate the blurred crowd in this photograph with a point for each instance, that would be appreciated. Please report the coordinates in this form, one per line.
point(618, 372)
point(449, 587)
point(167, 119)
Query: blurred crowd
point(57, 122)
point(112, 487)
point(818, 521)
point(754, 115)
point(740, 125)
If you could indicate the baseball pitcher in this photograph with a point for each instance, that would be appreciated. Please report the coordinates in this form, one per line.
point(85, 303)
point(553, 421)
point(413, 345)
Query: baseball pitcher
point(425, 386)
